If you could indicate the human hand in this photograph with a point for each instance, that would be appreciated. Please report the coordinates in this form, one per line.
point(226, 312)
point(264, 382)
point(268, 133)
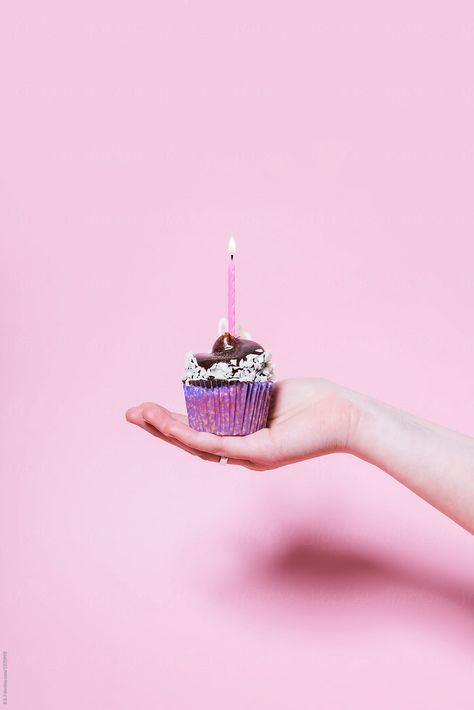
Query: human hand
point(312, 417)
point(307, 418)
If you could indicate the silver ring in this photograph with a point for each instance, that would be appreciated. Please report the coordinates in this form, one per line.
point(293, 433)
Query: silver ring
point(223, 460)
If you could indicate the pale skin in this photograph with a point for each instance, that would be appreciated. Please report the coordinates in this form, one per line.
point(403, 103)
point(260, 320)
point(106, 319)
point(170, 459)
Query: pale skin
point(314, 417)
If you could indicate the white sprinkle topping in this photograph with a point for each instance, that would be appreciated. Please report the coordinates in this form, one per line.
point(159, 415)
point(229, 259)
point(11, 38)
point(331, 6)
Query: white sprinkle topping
point(253, 368)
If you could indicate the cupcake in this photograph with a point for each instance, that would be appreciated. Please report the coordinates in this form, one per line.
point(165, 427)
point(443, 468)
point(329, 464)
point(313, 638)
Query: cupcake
point(228, 390)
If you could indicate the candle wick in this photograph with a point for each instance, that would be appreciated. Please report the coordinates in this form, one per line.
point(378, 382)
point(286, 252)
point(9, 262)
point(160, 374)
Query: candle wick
point(232, 257)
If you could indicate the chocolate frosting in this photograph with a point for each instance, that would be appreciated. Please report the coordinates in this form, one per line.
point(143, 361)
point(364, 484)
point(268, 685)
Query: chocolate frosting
point(227, 348)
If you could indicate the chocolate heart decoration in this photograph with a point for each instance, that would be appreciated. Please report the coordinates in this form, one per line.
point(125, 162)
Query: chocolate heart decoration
point(226, 348)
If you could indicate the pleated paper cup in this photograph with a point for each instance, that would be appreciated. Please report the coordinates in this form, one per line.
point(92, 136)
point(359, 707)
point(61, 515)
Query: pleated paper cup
point(227, 408)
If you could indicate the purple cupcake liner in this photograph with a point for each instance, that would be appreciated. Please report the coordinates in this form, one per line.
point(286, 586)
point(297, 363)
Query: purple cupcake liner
point(227, 409)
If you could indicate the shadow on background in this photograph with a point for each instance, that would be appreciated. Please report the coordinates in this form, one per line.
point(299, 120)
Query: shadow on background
point(329, 583)
point(304, 563)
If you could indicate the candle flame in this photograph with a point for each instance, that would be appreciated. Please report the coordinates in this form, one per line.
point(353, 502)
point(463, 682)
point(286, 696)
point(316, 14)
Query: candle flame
point(232, 247)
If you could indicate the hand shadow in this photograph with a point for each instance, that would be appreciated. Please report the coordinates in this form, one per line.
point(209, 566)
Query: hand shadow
point(332, 583)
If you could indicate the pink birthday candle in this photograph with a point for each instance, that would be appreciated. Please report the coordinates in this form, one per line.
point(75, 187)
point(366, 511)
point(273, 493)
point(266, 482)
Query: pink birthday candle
point(231, 289)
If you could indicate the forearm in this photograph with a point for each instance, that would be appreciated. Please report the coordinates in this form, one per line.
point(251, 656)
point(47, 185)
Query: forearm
point(434, 462)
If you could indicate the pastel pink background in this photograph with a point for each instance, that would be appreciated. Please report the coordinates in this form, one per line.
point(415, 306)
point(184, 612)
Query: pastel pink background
point(335, 141)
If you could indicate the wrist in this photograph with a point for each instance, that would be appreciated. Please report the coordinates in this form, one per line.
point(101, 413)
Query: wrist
point(343, 412)
point(372, 424)
point(356, 418)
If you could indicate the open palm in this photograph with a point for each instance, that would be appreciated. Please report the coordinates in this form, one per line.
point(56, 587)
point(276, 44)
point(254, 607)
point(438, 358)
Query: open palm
point(307, 418)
